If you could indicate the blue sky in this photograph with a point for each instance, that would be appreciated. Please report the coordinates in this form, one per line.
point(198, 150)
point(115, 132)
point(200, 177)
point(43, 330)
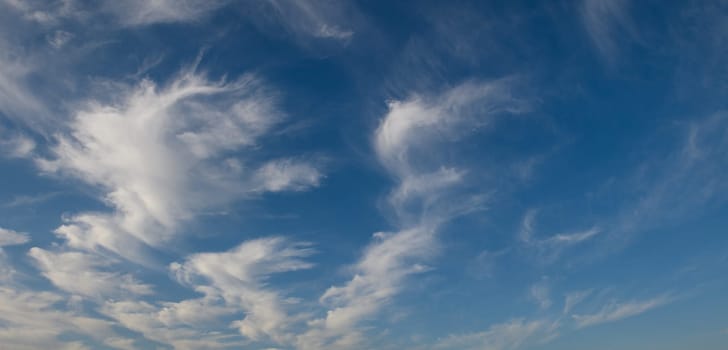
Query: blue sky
point(420, 175)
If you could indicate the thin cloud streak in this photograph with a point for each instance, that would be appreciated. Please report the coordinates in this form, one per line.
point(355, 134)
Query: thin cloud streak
point(620, 310)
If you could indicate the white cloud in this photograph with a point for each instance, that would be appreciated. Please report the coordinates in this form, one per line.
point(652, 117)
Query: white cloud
point(572, 237)
point(16, 146)
point(149, 320)
point(378, 277)
point(35, 320)
point(620, 310)
point(550, 248)
point(317, 19)
point(84, 274)
point(287, 175)
point(423, 199)
point(29, 200)
point(10, 237)
point(17, 101)
point(162, 155)
point(509, 335)
point(232, 283)
point(418, 121)
point(238, 277)
point(43, 12)
point(127, 13)
point(141, 12)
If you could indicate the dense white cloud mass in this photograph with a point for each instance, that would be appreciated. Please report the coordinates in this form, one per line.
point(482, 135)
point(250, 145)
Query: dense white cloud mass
point(162, 155)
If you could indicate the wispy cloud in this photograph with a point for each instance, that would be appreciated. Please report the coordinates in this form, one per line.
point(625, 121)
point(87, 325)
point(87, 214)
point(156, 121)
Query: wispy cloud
point(139, 12)
point(620, 310)
point(606, 21)
point(10, 237)
point(17, 101)
point(504, 336)
point(16, 145)
point(682, 182)
point(424, 198)
point(86, 274)
point(238, 277)
point(30, 200)
point(317, 19)
point(540, 292)
point(34, 321)
point(160, 156)
point(163, 155)
point(550, 248)
point(574, 298)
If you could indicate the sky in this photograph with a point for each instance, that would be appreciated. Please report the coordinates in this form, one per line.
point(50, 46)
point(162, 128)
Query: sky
point(317, 174)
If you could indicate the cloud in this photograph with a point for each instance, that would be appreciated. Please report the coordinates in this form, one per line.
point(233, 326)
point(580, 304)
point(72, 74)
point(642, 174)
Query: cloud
point(86, 274)
point(152, 322)
point(17, 101)
point(140, 12)
point(44, 13)
point(527, 226)
point(34, 320)
point(10, 237)
point(126, 13)
point(550, 248)
point(574, 298)
point(620, 310)
point(16, 146)
point(30, 200)
point(605, 21)
point(287, 175)
point(509, 335)
point(685, 181)
point(238, 277)
point(378, 277)
point(540, 292)
point(317, 19)
point(162, 155)
point(232, 283)
point(417, 121)
point(424, 198)
point(59, 39)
